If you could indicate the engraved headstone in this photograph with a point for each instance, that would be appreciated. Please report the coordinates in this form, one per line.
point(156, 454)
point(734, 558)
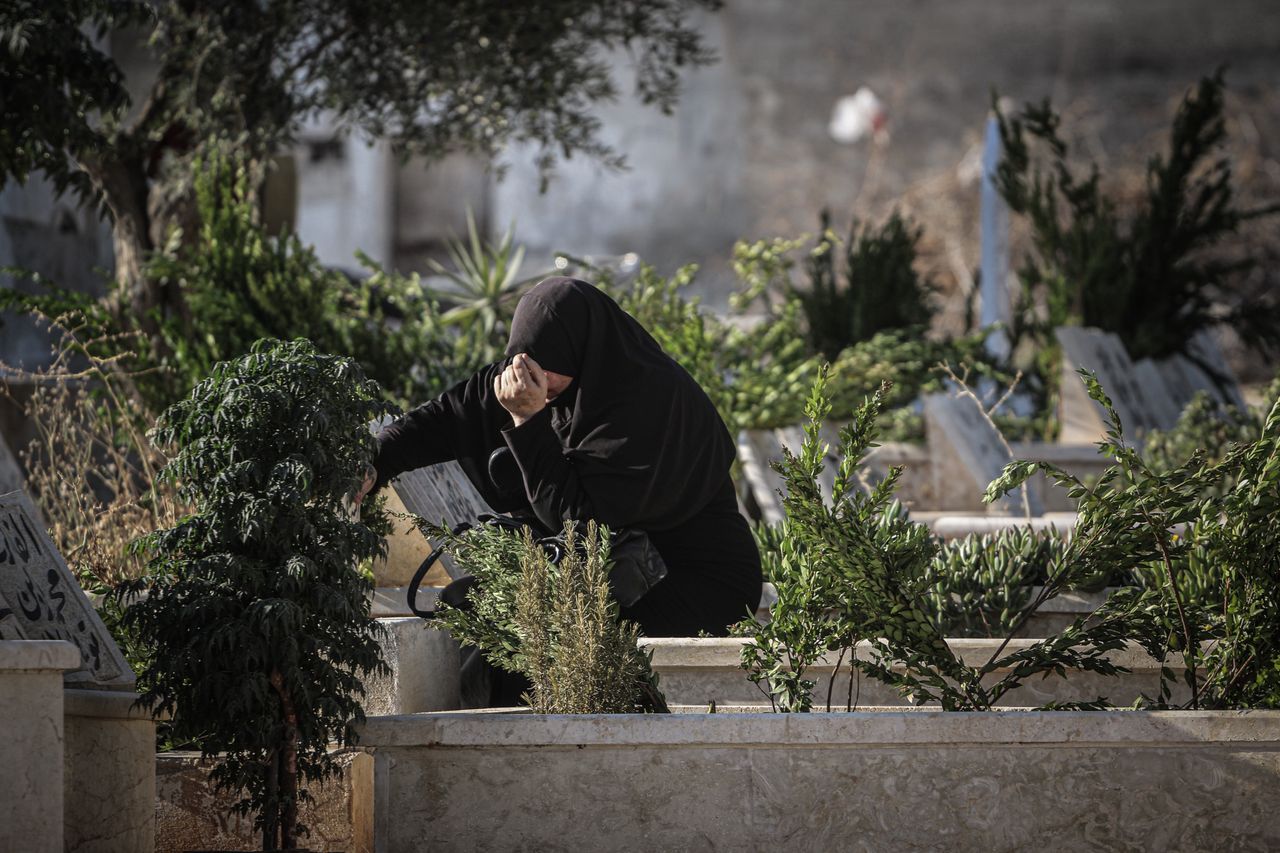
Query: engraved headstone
point(967, 454)
point(756, 450)
point(40, 599)
point(441, 494)
point(1140, 397)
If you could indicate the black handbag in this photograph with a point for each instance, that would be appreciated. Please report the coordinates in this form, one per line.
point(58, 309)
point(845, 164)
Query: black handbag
point(637, 565)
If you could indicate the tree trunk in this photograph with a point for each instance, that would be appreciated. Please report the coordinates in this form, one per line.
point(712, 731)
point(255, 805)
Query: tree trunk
point(288, 780)
point(123, 185)
point(271, 812)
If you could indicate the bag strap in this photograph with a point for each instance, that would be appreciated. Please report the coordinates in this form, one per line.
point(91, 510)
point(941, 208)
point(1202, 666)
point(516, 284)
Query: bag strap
point(421, 573)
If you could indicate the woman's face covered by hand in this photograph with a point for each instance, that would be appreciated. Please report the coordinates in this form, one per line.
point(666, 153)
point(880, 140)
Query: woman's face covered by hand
point(524, 388)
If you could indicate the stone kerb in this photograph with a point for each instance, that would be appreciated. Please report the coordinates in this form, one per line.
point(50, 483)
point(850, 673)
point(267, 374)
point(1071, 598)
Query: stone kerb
point(32, 749)
point(882, 781)
point(698, 671)
point(960, 526)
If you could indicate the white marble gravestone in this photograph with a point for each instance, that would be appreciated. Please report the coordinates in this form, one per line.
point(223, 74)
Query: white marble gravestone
point(757, 449)
point(441, 494)
point(1139, 395)
point(41, 600)
point(967, 454)
point(995, 245)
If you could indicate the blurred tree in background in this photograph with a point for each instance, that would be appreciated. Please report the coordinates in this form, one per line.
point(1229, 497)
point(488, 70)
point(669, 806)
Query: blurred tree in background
point(472, 75)
point(1150, 274)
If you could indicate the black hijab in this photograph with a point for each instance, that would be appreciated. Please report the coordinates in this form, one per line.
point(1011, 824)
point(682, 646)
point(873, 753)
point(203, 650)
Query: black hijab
point(633, 422)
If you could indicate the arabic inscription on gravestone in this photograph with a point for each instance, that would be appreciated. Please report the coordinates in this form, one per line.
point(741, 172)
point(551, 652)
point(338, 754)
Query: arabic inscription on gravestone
point(40, 599)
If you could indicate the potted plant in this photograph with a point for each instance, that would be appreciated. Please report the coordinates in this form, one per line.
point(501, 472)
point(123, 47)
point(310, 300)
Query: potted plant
point(256, 618)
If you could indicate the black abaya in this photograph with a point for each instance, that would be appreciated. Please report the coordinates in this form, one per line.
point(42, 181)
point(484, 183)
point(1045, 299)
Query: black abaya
point(633, 442)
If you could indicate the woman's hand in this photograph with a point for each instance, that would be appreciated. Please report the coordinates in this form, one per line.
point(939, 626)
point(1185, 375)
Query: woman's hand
point(370, 477)
point(522, 388)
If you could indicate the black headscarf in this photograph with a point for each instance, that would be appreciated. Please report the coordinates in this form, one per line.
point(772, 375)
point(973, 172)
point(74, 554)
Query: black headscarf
point(634, 423)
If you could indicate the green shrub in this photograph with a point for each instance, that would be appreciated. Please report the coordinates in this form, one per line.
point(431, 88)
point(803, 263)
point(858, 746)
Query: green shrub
point(484, 287)
point(256, 627)
point(759, 378)
point(864, 571)
point(800, 630)
point(241, 284)
point(979, 584)
point(1209, 429)
point(1208, 565)
point(879, 290)
point(555, 624)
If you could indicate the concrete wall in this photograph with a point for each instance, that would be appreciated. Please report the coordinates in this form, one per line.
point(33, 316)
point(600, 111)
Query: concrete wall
point(345, 195)
point(66, 244)
point(911, 781)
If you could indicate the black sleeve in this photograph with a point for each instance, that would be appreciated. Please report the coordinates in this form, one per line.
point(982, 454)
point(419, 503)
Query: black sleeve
point(422, 436)
point(554, 487)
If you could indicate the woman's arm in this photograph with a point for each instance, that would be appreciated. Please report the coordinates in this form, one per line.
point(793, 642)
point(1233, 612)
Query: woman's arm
point(422, 436)
point(551, 483)
point(556, 488)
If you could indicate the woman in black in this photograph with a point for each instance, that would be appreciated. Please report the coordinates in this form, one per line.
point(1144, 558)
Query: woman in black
point(587, 418)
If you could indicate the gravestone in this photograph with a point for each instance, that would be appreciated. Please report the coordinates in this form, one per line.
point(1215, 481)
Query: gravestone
point(760, 449)
point(441, 494)
point(967, 454)
point(1204, 369)
point(41, 600)
point(1139, 396)
point(756, 450)
point(1163, 405)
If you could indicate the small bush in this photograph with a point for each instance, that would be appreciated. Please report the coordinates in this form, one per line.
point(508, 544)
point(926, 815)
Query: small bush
point(864, 571)
point(240, 284)
point(256, 627)
point(879, 291)
point(555, 624)
point(759, 378)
